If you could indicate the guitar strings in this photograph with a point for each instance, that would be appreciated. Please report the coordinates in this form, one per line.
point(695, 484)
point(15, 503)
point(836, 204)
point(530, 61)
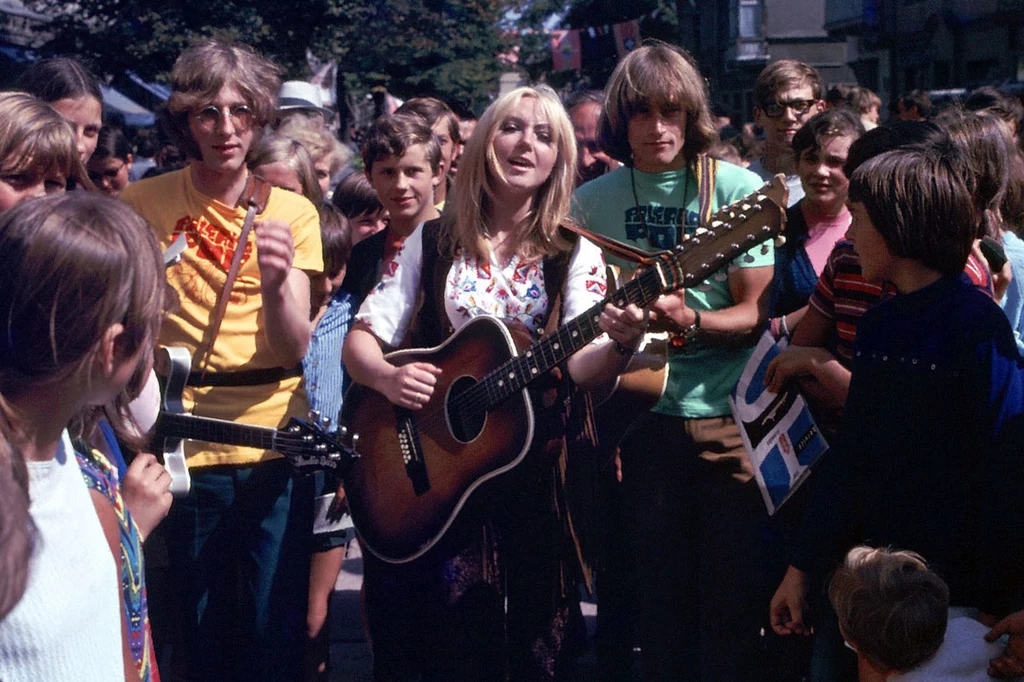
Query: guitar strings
point(479, 394)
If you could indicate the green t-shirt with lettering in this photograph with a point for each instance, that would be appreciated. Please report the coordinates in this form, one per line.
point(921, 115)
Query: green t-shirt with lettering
point(700, 378)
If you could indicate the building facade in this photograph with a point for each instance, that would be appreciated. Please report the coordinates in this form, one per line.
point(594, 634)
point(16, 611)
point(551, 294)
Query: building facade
point(733, 40)
point(894, 46)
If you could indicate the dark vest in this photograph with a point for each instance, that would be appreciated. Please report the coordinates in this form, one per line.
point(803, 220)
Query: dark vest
point(432, 325)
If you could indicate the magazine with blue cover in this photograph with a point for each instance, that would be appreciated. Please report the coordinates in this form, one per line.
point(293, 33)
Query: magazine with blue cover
point(780, 434)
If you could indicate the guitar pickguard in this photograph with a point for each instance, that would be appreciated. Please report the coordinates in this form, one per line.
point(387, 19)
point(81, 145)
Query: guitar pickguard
point(180, 363)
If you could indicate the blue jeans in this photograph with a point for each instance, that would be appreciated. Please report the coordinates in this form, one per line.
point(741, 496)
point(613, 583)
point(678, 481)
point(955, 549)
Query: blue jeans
point(238, 552)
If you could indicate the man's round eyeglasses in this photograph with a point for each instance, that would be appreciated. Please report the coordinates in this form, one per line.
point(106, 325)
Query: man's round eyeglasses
point(799, 107)
point(210, 117)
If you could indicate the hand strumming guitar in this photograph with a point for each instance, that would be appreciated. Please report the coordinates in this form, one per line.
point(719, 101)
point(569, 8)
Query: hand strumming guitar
point(409, 386)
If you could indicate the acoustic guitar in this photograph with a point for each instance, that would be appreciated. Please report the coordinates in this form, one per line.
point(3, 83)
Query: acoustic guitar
point(306, 445)
point(417, 470)
point(636, 390)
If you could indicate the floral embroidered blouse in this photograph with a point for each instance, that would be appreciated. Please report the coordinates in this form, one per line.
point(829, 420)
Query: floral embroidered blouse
point(513, 291)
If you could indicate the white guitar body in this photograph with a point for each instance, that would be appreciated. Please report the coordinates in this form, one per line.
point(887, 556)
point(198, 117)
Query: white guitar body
point(180, 363)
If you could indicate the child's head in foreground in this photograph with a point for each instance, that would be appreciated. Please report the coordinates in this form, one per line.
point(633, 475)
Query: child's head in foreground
point(917, 201)
point(892, 609)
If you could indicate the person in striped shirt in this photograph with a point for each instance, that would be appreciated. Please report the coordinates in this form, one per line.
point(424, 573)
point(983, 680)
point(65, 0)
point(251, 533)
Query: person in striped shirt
point(821, 349)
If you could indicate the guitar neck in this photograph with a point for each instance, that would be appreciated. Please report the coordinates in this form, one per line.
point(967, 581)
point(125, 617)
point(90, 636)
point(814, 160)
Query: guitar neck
point(518, 372)
point(217, 431)
point(733, 230)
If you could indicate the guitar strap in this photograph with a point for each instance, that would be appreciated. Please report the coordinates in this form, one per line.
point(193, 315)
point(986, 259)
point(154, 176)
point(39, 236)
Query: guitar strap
point(254, 198)
point(704, 169)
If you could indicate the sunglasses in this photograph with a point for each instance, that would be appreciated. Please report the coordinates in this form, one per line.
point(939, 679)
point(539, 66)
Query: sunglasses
point(209, 117)
point(799, 107)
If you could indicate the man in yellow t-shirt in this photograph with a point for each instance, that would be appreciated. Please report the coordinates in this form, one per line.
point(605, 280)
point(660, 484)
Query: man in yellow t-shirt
point(238, 543)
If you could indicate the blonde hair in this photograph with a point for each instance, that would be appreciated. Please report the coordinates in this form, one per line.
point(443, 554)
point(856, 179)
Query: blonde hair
point(656, 76)
point(34, 138)
point(290, 152)
point(891, 608)
point(480, 174)
point(318, 141)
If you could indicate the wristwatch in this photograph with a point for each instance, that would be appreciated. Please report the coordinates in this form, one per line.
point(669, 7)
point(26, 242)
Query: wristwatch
point(689, 333)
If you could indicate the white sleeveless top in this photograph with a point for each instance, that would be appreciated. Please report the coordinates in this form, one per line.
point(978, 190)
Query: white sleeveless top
point(67, 626)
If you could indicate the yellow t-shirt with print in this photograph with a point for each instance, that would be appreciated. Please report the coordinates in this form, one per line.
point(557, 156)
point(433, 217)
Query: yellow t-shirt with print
point(172, 205)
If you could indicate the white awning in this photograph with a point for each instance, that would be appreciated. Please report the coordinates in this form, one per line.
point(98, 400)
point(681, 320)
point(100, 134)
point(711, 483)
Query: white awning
point(134, 114)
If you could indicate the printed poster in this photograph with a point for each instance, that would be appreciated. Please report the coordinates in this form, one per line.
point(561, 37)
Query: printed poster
point(782, 439)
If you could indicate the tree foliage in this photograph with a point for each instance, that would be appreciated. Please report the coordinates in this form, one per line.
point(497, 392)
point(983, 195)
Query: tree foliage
point(447, 48)
point(444, 47)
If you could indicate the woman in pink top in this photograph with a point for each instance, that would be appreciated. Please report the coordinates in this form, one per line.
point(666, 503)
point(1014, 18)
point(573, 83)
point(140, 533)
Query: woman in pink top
point(817, 221)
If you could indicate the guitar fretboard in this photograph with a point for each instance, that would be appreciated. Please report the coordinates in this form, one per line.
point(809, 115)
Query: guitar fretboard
point(732, 230)
point(516, 373)
point(218, 431)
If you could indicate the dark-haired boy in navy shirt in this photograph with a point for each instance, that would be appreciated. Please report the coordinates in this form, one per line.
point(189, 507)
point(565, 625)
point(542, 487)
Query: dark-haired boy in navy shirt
point(928, 457)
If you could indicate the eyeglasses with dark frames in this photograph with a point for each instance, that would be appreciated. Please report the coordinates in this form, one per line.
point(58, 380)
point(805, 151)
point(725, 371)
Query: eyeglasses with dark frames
point(799, 107)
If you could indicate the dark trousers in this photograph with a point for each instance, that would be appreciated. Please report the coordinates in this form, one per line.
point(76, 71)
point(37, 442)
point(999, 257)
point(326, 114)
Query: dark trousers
point(693, 516)
point(238, 574)
point(493, 601)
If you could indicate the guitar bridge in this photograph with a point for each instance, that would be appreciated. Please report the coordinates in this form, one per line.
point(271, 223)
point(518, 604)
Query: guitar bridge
point(412, 452)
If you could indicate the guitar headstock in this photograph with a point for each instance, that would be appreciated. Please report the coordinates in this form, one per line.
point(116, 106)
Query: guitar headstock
point(311, 448)
point(733, 230)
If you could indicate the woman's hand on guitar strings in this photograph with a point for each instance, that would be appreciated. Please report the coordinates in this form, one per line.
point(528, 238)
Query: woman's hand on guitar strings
point(410, 386)
point(624, 325)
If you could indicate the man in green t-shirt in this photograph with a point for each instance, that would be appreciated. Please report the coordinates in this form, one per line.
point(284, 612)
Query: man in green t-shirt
point(691, 508)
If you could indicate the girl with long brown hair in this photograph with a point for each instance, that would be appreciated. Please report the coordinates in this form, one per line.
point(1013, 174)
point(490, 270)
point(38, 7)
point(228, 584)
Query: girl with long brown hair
point(81, 298)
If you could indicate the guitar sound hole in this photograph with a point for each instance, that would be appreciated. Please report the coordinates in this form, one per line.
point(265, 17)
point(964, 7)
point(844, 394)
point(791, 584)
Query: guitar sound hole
point(465, 419)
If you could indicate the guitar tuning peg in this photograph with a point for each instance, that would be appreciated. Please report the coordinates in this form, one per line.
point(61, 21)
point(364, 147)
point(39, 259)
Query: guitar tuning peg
point(721, 277)
point(716, 223)
point(780, 241)
point(744, 206)
point(327, 422)
point(764, 249)
point(342, 431)
point(748, 258)
point(700, 230)
point(314, 416)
